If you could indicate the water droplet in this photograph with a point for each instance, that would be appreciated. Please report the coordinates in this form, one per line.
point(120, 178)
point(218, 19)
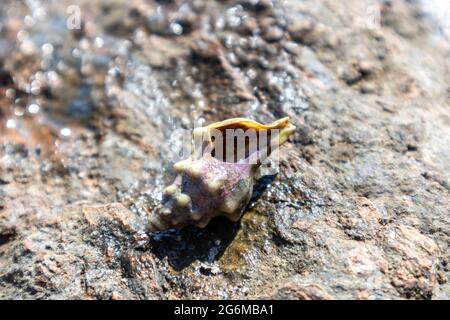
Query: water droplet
point(176, 28)
point(47, 48)
point(65, 132)
point(10, 93)
point(11, 124)
point(52, 76)
point(84, 44)
point(28, 47)
point(33, 108)
point(76, 53)
point(39, 13)
point(19, 111)
point(99, 42)
point(21, 35)
point(29, 21)
point(35, 87)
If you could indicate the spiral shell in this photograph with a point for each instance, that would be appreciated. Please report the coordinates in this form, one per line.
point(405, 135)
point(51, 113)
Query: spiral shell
point(206, 185)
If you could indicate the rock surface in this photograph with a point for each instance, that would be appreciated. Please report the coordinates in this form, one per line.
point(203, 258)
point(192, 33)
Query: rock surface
point(92, 119)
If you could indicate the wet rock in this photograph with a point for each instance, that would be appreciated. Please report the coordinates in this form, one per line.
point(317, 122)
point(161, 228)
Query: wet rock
point(273, 34)
point(362, 221)
point(295, 290)
point(413, 264)
point(302, 29)
point(92, 120)
point(296, 210)
point(113, 212)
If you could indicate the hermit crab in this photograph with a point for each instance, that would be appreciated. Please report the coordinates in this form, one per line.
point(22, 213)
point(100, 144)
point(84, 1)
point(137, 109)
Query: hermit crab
point(218, 178)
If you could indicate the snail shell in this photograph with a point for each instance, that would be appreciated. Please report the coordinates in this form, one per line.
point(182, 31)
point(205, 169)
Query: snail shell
point(208, 185)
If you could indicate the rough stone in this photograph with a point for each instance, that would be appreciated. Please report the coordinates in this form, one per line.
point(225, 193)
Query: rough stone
point(92, 120)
